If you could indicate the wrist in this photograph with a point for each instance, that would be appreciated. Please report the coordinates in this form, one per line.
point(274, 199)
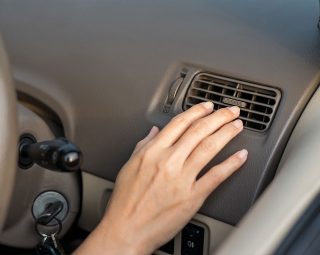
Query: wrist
point(122, 240)
point(103, 241)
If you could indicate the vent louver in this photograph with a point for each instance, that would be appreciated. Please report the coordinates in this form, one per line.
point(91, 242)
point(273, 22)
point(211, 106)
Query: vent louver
point(258, 103)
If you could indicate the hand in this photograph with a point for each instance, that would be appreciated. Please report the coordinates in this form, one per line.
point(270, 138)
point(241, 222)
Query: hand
point(157, 191)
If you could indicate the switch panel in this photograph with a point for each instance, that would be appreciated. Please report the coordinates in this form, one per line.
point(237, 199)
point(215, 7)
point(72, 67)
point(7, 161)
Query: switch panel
point(192, 240)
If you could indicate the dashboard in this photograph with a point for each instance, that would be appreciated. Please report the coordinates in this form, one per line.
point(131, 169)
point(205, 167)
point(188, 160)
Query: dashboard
point(106, 69)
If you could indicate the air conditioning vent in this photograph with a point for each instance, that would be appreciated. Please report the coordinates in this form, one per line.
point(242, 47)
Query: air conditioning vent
point(258, 103)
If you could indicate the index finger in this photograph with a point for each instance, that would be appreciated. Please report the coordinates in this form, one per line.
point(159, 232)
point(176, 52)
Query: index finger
point(179, 124)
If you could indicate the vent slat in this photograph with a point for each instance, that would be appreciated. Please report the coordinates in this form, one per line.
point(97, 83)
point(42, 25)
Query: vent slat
point(252, 120)
point(233, 97)
point(258, 103)
point(226, 105)
point(264, 90)
point(235, 89)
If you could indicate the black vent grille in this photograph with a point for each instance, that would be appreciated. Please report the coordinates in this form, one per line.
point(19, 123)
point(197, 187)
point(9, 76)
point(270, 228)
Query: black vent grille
point(258, 103)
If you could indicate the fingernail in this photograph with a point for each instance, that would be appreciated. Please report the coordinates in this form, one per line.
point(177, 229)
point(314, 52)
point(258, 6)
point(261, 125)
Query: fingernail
point(235, 110)
point(242, 154)
point(238, 124)
point(208, 105)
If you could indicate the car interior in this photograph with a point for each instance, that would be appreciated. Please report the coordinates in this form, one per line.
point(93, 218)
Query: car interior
point(81, 82)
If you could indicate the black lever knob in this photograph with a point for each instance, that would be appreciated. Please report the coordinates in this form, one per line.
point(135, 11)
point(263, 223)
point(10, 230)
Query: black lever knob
point(58, 154)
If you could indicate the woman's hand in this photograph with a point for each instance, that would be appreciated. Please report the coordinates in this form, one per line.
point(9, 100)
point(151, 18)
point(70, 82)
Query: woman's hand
point(157, 191)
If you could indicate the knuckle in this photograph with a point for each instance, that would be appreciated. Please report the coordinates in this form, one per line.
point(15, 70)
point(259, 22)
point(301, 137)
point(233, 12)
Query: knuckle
point(180, 120)
point(218, 176)
point(200, 108)
point(168, 171)
point(145, 155)
point(163, 166)
point(139, 144)
point(200, 126)
point(208, 145)
point(234, 162)
point(168, 175)
point(232, 128)
point(144, 146)
point(237, 161)
point(225, 113)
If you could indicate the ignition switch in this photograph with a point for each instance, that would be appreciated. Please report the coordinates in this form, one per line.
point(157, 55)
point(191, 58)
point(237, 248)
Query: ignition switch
point(48, 206)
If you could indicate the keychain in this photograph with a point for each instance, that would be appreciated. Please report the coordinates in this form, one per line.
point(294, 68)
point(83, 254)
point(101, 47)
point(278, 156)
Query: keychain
point(49, 244)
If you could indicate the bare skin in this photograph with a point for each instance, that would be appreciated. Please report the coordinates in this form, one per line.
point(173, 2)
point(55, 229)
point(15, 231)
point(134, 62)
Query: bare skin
point(157, 191)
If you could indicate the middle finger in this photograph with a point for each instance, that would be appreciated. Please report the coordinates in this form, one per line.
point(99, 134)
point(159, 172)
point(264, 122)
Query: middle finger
point(203, 128)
